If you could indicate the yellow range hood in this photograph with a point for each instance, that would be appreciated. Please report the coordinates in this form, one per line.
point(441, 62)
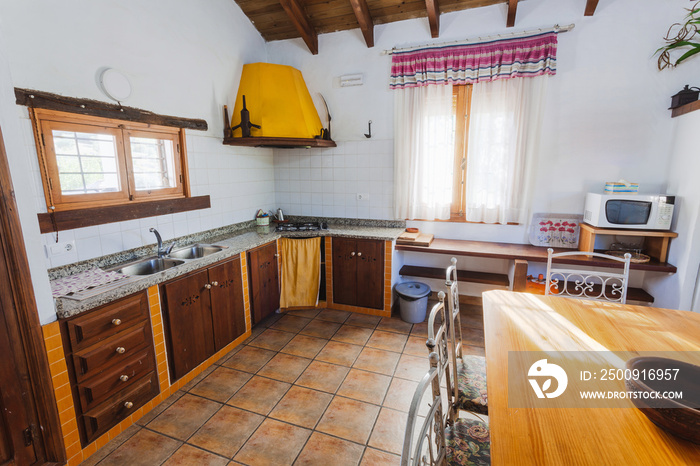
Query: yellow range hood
point(277, 101)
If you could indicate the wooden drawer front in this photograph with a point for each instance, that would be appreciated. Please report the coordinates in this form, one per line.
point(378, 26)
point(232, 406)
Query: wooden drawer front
point(111, 412)
point(106, 321)
point(99, 357)
point(97, 389)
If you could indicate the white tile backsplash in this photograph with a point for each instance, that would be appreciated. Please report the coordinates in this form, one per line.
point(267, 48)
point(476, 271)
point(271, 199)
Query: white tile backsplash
point(326, 181)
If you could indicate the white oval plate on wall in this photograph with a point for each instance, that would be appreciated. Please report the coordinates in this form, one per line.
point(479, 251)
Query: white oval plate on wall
point(114, 84)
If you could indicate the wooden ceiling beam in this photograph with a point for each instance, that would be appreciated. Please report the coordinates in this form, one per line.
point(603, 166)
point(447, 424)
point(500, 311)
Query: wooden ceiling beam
point(433, 8)
point(301, 21)
point(591, 5)
point(512, 9)
point(364, 19)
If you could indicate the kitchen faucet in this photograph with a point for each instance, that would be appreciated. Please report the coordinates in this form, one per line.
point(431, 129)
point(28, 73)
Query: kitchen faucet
point(162, 250)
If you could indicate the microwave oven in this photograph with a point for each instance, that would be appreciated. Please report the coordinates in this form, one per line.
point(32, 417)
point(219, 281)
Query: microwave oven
point(637, 211)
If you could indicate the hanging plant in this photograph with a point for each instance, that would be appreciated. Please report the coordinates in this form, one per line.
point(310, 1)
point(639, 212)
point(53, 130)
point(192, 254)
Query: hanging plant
point(680, 36)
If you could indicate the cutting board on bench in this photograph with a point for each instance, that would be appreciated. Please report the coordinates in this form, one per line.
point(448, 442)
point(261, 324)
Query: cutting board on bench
point(415, 239)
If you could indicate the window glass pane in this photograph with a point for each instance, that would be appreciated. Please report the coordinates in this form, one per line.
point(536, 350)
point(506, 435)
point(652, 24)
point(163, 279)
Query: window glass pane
point(154, 163)
point(87, 162)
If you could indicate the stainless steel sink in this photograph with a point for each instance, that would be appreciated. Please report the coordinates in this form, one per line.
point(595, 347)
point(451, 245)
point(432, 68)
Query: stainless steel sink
point(195, 251)
point(149, 266)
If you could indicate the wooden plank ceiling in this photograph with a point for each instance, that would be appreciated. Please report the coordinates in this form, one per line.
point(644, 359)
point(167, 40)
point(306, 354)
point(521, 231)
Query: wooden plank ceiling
point(306, 19)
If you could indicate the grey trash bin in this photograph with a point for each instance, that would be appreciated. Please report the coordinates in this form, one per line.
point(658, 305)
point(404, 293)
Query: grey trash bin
point(413, 301)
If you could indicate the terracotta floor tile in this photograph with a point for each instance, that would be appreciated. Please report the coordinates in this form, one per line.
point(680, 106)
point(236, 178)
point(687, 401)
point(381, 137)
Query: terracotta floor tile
point(273, 443)
point(269, 320)
point(259, 395)
point(249, 359)
point(337, 352)
point(145, 448)
point(333, 315)
point(227, 431)
point(420, 330)
point(162, 406)
point(192, 383)
point(363, 320)
point(349, 419)
point(304, 346)
point(400, 394)
point(184, 417)
point(389, 341)
point(472, 336)
point(272, 339)
point(320, 329)
point(112, 445)
point(365, 386)
point(351, 334)
point(221, 384)
point(301, 407)
point(226, 357)
point(379, 458)
point(412, 367)
point(394, 324)
point(323, 376)
point(389, 430)
point(291, 323)
point(324, 449)
point(376, 360)
point(308, 313)
point(188, 455)
point(477, 350)
point(284, 367)
point(415, 346)
point(255, 331)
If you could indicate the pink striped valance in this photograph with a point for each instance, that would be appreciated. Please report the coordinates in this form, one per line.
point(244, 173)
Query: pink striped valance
point(467, 64)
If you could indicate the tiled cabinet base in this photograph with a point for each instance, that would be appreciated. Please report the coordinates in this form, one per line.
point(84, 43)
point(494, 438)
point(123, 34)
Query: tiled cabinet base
point(68, 411)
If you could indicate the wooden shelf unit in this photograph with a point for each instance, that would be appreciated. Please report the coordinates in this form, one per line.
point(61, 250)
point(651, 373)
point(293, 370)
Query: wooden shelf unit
point(466, 276)
point(656, 242)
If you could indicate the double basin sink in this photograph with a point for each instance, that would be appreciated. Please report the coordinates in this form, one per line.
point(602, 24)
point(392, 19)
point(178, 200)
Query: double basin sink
point(153, 265)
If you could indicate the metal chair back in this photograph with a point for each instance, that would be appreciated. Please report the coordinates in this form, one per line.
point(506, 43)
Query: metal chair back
point(587, 284)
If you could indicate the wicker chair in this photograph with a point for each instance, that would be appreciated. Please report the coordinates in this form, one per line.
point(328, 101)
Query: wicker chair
point(438, 440)
point(587, 284)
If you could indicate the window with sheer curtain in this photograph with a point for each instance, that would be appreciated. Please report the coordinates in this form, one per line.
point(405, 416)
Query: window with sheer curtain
point(467, 123)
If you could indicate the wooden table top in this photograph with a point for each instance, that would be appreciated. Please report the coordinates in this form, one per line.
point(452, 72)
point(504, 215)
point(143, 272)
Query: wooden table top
point(566, 435)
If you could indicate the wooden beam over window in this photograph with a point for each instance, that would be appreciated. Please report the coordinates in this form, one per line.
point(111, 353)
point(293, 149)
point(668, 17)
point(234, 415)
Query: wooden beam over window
point(590, 7)
point(512, 9)
point(364, 19)
point(301, 21)
point(433, 8)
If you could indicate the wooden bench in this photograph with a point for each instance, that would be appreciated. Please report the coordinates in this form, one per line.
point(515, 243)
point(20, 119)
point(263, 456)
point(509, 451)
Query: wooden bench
point(521, 255)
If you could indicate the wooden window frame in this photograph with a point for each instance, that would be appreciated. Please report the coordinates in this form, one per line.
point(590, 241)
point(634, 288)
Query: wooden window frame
point(45, 121)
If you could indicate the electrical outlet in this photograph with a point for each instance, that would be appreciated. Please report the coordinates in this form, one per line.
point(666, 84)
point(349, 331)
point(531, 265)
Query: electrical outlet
point(362, 196)
point(60, 248)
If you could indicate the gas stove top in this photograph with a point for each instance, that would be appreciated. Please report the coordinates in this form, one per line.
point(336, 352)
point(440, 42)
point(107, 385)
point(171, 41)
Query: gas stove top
point(302, 226)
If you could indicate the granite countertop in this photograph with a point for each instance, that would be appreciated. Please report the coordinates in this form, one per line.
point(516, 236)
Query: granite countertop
point(235, 242)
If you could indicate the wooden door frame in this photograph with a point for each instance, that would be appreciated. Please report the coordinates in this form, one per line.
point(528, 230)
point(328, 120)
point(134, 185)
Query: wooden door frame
point(29, 326)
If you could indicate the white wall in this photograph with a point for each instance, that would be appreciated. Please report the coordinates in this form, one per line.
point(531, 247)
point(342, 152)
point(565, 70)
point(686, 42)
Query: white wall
point(676, 290)
point(183, 58)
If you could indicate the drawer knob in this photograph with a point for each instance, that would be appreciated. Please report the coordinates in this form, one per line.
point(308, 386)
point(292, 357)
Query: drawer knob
point(359, 254)
point(214, 283)
point(207, 286)
point(128, 405)
point(352, 253)
point(121, 350)
point(124, 378)
point(116, 322)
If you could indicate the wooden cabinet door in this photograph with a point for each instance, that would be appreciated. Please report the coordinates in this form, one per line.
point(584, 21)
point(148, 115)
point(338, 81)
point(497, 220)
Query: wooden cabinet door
point(370, 273)
point(188, 319)
point(264, 281)
point(344, 271)
point(227, 307)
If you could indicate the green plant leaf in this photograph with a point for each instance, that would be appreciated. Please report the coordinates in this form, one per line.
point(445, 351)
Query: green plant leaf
point(688, 54)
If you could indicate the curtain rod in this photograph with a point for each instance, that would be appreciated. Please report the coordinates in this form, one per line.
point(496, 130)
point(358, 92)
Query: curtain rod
point(555, 28)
